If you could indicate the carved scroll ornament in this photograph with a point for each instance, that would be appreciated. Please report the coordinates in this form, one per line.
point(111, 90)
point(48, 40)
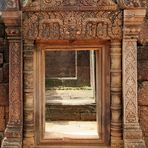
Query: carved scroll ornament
point(72, 25)
point(132, 3)
point(54, 5)
point(10, 4)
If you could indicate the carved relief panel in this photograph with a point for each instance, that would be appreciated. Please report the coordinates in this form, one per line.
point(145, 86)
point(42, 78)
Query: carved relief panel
point(54, 5)
point(72, 25)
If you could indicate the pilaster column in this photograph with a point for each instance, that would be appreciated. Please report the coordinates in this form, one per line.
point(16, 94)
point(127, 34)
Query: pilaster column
point(28, 131)
point(132, 131)
point(13, 132)
point(116, 96)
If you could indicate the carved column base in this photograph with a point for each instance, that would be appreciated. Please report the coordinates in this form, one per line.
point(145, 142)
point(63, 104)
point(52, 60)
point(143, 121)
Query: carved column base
point(13, 137)
point(117, 144)
point(11, 143)
point(133, 137)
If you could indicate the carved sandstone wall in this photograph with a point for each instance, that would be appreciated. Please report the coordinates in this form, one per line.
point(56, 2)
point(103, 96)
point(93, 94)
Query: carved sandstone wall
point(143, 79)
point(143, 89)
point(4, 78)
point(142, 93)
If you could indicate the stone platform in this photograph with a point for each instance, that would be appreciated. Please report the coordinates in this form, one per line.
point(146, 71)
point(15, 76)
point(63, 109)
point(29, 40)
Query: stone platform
point(70, 105)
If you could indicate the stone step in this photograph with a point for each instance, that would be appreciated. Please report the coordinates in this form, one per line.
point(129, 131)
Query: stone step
point(79, 112)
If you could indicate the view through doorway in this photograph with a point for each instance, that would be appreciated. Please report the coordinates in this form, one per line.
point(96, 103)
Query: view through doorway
point(70, 94)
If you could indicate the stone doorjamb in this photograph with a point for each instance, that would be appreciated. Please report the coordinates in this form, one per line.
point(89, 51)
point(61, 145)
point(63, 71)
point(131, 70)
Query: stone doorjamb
point(13, 133)
point(132, 133)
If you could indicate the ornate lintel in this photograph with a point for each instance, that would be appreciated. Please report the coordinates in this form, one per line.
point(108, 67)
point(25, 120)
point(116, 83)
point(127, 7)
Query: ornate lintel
point(72, 25)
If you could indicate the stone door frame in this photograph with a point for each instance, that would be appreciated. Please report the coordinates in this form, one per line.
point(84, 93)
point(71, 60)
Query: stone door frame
point(133, 16)
point(102, 94)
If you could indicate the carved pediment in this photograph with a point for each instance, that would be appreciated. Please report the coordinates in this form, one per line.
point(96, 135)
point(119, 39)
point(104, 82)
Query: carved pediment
point(55, 5)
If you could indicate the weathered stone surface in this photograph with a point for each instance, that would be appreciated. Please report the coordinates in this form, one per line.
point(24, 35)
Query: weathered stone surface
point(28, 80)
point(6, 53)
point(28, 100)
point(143, 94)
point(29, 116)
point(28, 130)
point(146, 141)
point(143, 52)
point(144, 122)
point(6, 72)
point(88, 116)
point(1, 136)
point(1, 58)
point(1, 45)
point(2, 119)
point(28, 64)
point(3, 94)
point(1, 74)
point(70, 112)
point(28, 143)
point(143, 70)
point(6, 114)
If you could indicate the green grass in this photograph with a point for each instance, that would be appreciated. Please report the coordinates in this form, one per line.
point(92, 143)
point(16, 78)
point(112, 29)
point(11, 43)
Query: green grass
point(69, 88)
point(66, 84)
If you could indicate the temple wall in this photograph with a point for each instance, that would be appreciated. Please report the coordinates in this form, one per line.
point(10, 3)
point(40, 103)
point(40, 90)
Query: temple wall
point(143, 89)
point(142, 85)
point(4, 79)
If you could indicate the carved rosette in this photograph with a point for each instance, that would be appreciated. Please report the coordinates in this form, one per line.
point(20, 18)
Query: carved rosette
point(12, 5)
point(132, 131)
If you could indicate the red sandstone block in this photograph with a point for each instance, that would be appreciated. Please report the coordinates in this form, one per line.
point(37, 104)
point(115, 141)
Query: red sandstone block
point(143, 70)
point(146, 141)
point(1, 45)
point(143, 94)
point(2, 119)
point(3, 94)
point(1, 58)
point(6, 72)
point(143, 53)
point(1, 75)
point(144, 119)
point(6, 55)
point(6, 114)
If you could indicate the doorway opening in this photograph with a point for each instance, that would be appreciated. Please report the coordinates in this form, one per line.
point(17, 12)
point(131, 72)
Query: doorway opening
point(70, 94)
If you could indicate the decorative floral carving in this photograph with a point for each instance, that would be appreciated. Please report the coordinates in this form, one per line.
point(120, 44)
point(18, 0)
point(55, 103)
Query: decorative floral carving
point(132, 3)
point(15, 85)
point(31, 22)
point(130, 82)
point(12, 4)
point(73, 25)
point(72, 5)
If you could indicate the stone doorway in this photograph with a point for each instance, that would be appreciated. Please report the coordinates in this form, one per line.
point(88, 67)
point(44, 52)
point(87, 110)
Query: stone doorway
point(72, 101)
point(118, 22)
